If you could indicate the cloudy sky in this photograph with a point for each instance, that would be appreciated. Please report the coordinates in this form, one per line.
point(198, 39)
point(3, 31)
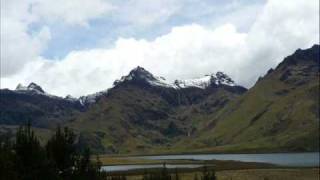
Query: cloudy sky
point(79, 47)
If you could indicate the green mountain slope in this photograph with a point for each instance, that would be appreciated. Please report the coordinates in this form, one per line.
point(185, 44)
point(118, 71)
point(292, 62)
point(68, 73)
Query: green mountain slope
point(135, 117)
point(280, 113)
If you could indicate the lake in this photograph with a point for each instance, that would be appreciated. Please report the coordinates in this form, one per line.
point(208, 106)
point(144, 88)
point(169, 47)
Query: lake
point(283, 159)
point(117, 168)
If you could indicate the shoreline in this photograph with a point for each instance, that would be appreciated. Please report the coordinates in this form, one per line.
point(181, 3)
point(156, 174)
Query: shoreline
point(203, 153)
point(216, 165)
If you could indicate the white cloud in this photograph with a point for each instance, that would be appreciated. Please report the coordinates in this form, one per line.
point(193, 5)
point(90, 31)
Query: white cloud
point(19, 46)
point(70, 11)
point(281, 28)
point(176, 54)
point(185, 52)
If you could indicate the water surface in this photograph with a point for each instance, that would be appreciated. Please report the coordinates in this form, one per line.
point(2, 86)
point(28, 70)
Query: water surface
point(281, 159)
point(147, 166)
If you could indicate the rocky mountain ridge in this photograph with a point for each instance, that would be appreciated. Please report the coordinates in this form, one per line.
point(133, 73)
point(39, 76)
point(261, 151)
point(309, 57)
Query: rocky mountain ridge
point(138, 74)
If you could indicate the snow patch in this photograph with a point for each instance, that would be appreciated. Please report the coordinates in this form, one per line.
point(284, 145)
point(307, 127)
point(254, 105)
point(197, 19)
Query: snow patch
point(91, 98)
point(140, 73)
point(32, 87)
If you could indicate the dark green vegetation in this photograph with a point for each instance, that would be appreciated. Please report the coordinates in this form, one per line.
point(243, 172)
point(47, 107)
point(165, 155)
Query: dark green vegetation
point(279, 113)
point(203, 173)
point(26, 159)
point(163, 174)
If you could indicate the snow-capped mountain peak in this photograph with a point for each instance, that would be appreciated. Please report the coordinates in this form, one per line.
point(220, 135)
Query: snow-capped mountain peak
point(33, 87)
point(222, 78)
point(202, 83)
point(91, 98)
point(214, 79)
point(20, 87)
point(140, 74)
point(71, 98)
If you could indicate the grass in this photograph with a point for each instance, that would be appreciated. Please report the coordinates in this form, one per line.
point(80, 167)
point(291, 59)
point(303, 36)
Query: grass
point(244, 174)
point(270, 174)
point(225, 170)
point(258, 174)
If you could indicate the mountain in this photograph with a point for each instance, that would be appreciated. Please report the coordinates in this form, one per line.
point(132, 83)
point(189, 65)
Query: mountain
point(279, 113)
point(31, 88)
point(138, 105)
point(32, 103)
point(144, 113)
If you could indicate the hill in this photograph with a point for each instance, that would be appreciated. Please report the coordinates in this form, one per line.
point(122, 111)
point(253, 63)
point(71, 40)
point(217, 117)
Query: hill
point(279, 113)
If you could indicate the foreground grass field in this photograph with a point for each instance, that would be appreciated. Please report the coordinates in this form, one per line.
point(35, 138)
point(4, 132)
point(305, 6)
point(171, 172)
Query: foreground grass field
point(256, 174)
point(270, 174)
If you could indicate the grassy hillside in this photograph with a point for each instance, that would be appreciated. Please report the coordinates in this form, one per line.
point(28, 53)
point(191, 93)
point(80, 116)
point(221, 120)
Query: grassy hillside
point(280, 113)
point(132, 119)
